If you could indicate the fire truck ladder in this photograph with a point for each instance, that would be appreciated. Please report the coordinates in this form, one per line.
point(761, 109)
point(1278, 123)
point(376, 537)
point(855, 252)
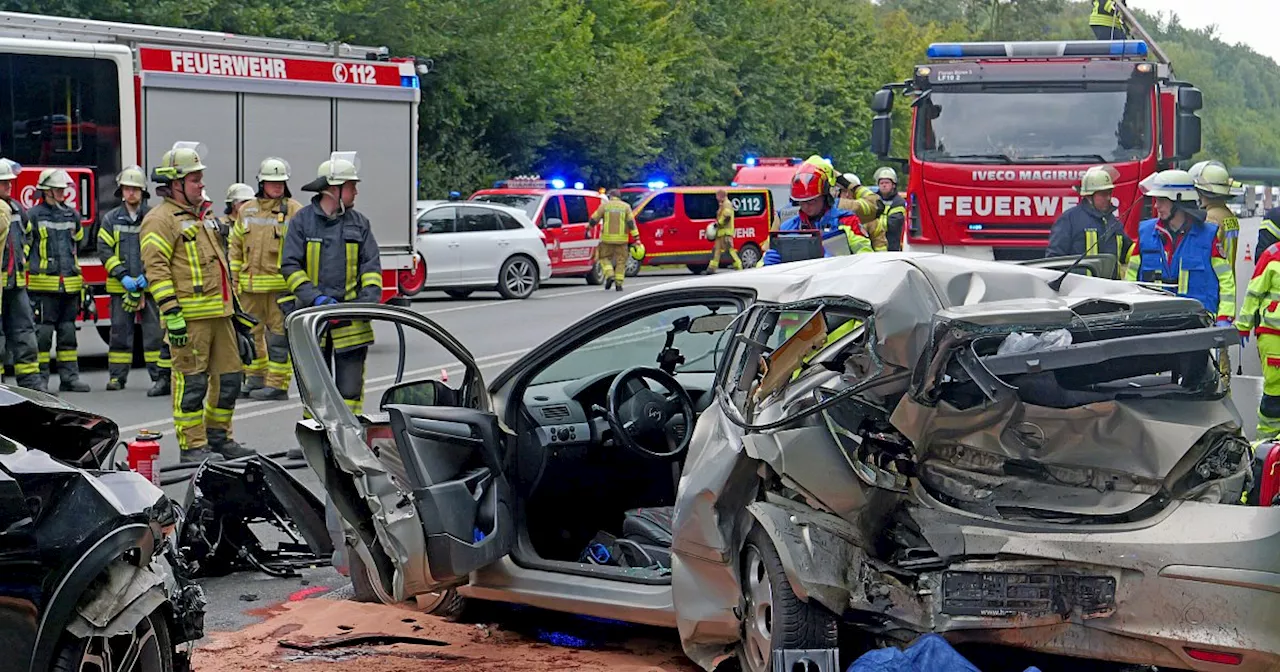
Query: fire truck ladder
point(38, 27)
point(1131, 20)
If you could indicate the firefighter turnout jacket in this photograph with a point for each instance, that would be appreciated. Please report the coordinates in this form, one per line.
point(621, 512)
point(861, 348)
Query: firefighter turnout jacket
point(13, 263)
point(1191, 258)
point(255, 243)
point(120, 245)
point(185, 267)
point(54, 233)
point(1080, 229)
point(617, 221)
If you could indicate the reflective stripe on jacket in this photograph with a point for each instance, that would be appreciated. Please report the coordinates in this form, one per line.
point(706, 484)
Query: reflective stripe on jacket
point(1261, 308)
point(1078, 229)
point(255, 243)
point(1219, 214)
point(1268, 231)
point(119, 245)
point(1104, 14)
point(185, 267)
point(617, 220)
point(1195, 264)
point(724, 219)
point(55, 233)
point(893, 217)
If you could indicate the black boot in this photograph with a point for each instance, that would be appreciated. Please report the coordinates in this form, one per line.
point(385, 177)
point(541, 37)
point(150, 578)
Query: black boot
point(251, 383)
point(115, 385)
point(198, 455)
point(226, 446)
point(159, 388)
point(269, 394)
point(72, 385)
point(608, 283)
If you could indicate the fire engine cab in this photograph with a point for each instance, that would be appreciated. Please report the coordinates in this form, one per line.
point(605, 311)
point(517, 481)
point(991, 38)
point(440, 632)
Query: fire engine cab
point(773, 173)
point(93, 97)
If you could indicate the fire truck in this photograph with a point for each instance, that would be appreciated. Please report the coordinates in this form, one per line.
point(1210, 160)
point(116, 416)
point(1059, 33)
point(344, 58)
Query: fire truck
point(93, 97)
point(1002, 132)
point(773, 173)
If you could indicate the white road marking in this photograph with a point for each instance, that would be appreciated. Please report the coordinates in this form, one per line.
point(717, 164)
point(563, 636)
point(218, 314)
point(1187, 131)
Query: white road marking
point(542, 297)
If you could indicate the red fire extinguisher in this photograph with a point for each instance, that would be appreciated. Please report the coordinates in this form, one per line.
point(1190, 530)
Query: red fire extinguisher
point(144, 452)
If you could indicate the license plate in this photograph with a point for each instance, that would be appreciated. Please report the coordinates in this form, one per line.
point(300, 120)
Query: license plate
point(996, 594)
point(576, 253)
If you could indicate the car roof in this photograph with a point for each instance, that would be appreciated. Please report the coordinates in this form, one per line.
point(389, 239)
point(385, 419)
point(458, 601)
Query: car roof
point(765, 175)
point(475, 204)
point(520, 191)
point(707, 189)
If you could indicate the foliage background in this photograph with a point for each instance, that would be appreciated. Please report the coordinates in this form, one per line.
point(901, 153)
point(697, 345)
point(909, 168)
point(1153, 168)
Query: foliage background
point(607, 91)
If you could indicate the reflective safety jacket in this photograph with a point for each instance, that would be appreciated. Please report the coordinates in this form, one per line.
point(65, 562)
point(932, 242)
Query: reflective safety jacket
point(185, 267)
point(120, 245)
point(1219, 214)
point(618, 222)
point(336, 257)
point(13, 258)
point(1191, 258)
point(1078, 229)
point(1104, 14)
point(894, 217)
point(724, 219)
point(1268, 231)
point(1261, 308)
point(835, 224)
point(255, 242)
point(55, 234)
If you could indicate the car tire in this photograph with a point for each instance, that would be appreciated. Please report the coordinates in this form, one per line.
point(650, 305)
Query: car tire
point(749, 255)
point(458, 293)
point(150, 639)
point(698, 269)
point(633, 267)
point(518, 277)
point(594, 277)
point(447, 604)
point(412, 282)
point(774, 618)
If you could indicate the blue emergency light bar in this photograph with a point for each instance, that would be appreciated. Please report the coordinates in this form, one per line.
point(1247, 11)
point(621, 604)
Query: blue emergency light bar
point(656, 185)
point(1064, 49)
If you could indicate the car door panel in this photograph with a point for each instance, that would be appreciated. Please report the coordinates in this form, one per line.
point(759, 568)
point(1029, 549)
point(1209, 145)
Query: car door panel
point(439, 244)
point(697, 210)
point(552, 209)
point(576, 243)
point(482, 250)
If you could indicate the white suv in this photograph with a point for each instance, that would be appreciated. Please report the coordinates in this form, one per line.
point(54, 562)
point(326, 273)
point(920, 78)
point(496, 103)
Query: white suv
point(469, 246)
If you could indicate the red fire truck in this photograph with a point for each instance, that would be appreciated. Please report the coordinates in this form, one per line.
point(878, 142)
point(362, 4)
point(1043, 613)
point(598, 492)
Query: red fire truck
point(1002, 132)
point(92, 97)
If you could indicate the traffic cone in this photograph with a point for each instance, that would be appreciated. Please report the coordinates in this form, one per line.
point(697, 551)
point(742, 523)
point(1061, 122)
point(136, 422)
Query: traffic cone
point(1248, 253)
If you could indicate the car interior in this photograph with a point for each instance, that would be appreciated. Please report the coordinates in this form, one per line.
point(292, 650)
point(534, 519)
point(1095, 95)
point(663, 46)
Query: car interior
point(590, 469)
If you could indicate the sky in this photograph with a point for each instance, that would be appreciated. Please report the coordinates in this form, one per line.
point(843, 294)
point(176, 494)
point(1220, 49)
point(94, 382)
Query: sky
point(1249, 21)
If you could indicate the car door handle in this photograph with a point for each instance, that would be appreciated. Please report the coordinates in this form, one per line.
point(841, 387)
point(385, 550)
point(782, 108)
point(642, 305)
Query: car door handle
point(455, 244)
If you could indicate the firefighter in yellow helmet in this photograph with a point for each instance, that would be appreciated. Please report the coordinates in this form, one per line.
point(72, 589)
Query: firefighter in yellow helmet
point(1215, 186)
point(55, 232)
point(120, 249)
point(617, 227)
point(19, 326)
point(256, 241)
point(190, 281)
point(724, 233)
point(330, 256)
point(894, 218)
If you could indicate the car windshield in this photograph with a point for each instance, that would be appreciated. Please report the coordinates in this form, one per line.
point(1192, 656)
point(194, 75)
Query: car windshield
point(527, 202)
point(632, 197)
point(639, 342)
point(1102, 123)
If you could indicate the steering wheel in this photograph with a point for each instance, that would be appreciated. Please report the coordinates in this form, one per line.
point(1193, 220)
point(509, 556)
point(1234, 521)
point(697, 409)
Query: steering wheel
point(641, 420)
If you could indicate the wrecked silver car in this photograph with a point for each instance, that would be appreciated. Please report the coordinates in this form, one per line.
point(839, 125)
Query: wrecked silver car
point(896, 443)
point(89, 574)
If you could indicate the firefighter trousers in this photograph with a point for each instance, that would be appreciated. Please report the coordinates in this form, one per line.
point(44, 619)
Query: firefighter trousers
point(723, 246)
point(120, 343)
point(56, 315)
point(207, 373)
point(272, 360)
point(613, 260)
point(19, 336)
point(348, 374)
point(1269, 409)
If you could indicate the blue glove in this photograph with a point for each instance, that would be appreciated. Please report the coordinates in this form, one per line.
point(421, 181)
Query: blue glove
point(323, 300)
point(142, 282)
point(130, 283)
point(1222, 322)
point(1244, 337)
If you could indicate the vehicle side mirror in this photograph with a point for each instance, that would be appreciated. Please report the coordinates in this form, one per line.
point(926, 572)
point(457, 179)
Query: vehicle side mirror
point(1187, 140)
point(553, 223)
point(1190, 99)
point(882, 135)
point(419, 393)
point(882, 101)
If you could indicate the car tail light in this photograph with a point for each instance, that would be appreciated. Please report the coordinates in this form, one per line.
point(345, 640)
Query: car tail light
point(1216, 657)
point(375, 432)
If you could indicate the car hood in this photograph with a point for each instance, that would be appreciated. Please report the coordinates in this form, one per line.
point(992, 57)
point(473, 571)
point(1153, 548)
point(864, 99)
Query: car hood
point(64, 431)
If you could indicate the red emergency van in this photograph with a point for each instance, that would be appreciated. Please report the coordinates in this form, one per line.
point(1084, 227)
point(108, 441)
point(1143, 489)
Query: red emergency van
point(562, 214)
point(673, 224)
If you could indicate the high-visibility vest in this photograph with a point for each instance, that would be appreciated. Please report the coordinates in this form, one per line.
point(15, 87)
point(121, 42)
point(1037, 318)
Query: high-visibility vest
point(1105, 14)
point(613, 221)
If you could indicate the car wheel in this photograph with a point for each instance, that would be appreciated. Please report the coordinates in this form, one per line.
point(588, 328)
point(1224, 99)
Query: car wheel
point(445, 604)
point(518, 278)
point(146, 649)
point(458, 293)
point(594, 277)
point(412, 281)
point(698, 269)
point(633, 267)
point(750, 255)
point(774, 618)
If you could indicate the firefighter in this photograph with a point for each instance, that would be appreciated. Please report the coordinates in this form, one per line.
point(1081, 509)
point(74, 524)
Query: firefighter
point(1179, 248)
point(1106, 22)
point(894, 218)
point(191, 285)
point(1268, 230)
point(330, 256)
point(54, 232)
point(120, 249)
point(1260, 314)
point(1215, 186)
point(619, 226)
point(724, 234)
point(255, 244)
point(813, 187)
point(1091, 226)
point(19, 326)
point(237, 195)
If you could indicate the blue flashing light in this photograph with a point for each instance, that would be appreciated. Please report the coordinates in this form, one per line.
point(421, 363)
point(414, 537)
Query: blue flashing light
point(975, 227)
point(751, 161)
point(557, 183)
point(945, 51)
point(579, 185)
point(656, 185)
point(409, 81)
point(828, 160)
point(1039, 50)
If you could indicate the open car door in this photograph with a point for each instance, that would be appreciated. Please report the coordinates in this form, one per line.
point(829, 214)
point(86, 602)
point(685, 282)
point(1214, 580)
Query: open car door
point(1094, 265)
point(419, 483)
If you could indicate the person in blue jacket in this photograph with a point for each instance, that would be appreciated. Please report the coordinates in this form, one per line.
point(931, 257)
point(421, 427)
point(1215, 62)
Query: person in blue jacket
point(811, 188)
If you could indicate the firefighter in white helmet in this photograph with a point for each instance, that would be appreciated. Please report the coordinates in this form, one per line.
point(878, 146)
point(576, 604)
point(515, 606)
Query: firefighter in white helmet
point(256, 241)
point(55, 283)
point(237, 195)
point(1180, 250)
point(1215, 186)
point(191, 282)
point(120, 249)
point(1091, 226)
point(19, 326)
point(330, 256)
